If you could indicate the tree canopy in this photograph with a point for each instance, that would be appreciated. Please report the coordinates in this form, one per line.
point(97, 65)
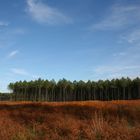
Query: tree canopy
point(65, 90)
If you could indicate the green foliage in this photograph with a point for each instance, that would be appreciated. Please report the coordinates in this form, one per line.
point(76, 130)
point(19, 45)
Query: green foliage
point(64, 90)
point(5, 96)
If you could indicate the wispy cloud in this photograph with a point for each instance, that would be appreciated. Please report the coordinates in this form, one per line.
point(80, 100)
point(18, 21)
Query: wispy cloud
point(9, 36)
point(23, 72)
point(18, 31)
point(132, 37)
point(120, 54)
point(44, 13)
point(119, 17)
point(116, 71)
point(3, 24)
point(35, 76)
point(18, 71)
point(13, 53)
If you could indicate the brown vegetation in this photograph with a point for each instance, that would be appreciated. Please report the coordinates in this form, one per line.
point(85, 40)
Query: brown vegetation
point(95, 120)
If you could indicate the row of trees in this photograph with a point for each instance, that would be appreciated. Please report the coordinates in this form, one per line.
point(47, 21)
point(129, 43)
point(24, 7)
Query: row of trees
point(64, 90)
point(5, 97)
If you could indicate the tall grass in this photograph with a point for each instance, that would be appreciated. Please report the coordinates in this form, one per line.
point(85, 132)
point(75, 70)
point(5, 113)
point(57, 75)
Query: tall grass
point(114, 120)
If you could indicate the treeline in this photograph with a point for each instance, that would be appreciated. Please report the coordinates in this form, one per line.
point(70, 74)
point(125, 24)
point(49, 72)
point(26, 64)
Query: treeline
point(64, 90)
point(5, 96)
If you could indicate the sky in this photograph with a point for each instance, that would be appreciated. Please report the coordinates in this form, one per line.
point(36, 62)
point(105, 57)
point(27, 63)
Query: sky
point(72, 39)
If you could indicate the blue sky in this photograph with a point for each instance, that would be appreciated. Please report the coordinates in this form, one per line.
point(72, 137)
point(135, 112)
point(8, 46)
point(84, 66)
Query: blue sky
point(74, 39)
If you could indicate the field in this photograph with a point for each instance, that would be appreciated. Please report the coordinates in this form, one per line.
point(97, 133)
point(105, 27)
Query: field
point(91, 120)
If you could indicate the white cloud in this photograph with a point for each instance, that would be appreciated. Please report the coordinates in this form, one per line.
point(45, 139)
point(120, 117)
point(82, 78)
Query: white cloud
point(18, 31)
point(119, 17)
point(3, 24)
point(44, 13)
point(111, 71)
point(13, 53)
point(9, 36)
point(132, 37)
point(20, 72)
point(23, 72)
point(114, 69)
point(120, 54)
point(35, 76)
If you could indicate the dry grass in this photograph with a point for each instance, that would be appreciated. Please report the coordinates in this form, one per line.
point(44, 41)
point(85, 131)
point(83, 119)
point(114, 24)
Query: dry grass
point(93, 120)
